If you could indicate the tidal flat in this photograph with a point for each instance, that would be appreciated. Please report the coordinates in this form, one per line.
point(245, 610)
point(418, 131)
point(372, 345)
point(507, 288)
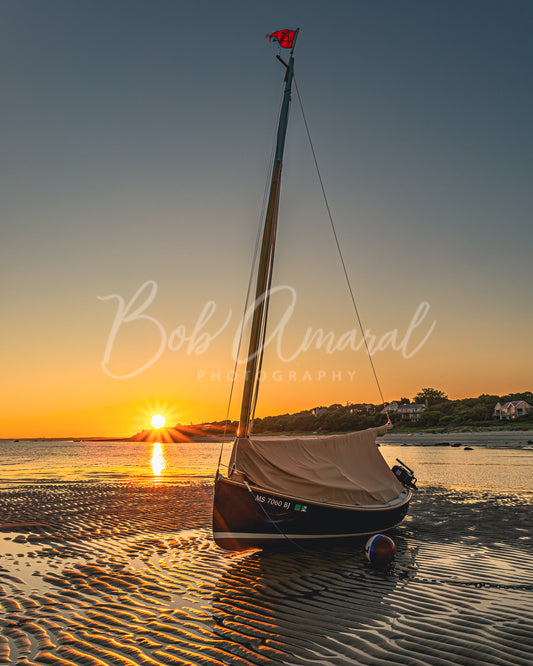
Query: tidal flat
point(106, 557)
point(125, 572)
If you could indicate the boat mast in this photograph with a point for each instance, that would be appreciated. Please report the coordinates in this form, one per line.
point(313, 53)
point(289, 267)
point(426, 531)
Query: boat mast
point(266, 260)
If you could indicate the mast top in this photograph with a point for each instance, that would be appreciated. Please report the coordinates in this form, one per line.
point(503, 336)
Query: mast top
point(294, 40)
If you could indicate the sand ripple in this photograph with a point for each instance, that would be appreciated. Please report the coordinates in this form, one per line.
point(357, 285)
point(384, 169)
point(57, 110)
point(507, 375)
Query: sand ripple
point(127, 574)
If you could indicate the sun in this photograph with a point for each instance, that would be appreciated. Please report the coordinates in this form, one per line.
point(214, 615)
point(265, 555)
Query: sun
point(157, 408)
point(157, 421)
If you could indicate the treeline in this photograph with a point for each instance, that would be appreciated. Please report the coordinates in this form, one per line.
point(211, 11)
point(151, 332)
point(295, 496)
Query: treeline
point(335, 418)
point(441, 414)
point(472, 412)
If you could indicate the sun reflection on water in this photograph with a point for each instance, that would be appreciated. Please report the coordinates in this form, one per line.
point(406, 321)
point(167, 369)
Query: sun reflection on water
point(158, 461)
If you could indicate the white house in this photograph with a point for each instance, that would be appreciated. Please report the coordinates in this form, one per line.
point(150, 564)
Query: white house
point(318, 411)
point(411, 411)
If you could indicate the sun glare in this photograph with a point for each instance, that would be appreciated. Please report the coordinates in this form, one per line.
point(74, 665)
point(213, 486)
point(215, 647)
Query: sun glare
point(158, 421)
point(152, 410)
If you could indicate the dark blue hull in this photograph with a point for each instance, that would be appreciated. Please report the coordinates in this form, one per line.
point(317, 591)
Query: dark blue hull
point(248, 517)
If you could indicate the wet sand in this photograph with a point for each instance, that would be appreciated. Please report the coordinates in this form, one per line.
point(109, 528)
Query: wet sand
point(487, 438)
point(126, 573)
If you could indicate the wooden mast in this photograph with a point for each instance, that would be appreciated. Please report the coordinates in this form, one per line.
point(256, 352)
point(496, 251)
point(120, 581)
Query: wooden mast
point(264, 273)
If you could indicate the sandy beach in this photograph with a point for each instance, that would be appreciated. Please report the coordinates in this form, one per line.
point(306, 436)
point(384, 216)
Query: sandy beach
point(126, 573)
point(487, 438)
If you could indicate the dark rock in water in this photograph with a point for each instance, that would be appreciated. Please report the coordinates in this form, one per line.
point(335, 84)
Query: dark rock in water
point(442, 444)
point(456, 444)
point(530, 442)
point(468, 448)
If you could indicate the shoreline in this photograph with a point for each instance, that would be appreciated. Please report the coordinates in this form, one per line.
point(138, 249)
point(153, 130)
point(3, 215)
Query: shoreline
point(172, 464)
point(513, 439)
point(501, 435)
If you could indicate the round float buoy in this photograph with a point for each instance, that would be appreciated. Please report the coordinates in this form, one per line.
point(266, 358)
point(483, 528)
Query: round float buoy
point(380, 549)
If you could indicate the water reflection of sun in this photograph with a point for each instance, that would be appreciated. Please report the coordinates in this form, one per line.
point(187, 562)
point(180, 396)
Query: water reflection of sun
point(158, 461)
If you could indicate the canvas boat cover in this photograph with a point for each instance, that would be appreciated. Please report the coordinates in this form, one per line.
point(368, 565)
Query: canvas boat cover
point(342, 469)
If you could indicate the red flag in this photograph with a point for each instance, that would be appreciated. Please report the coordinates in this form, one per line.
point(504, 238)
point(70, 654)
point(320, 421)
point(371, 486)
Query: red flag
point(283, 37)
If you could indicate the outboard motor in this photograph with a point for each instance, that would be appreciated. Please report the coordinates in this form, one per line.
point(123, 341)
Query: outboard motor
point(405, 475)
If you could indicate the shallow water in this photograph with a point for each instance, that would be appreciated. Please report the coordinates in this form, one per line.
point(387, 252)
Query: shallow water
point(28, 461)
point(481, 468)
point(72, 460)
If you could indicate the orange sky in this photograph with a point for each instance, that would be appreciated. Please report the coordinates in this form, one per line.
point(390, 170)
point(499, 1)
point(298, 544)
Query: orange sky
point(81, 400)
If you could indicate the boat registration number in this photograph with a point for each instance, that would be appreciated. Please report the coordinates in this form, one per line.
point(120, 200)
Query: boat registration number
point(281, 504)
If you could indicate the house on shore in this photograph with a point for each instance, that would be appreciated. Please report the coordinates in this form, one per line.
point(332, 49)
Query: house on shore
point(411, 411)
point(390, 408)
point(318, 411)
point(511, 410)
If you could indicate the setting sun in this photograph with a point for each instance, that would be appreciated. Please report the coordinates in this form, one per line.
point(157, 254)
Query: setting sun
point(158, 421)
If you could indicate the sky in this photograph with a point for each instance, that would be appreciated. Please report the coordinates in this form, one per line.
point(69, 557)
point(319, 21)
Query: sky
point(136, 143)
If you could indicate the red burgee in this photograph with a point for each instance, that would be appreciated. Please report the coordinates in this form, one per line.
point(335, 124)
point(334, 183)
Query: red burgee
point(283, 37)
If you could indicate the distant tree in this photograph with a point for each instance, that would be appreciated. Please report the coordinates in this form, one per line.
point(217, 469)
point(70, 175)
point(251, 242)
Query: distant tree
point(433, 396)
point(404, 401)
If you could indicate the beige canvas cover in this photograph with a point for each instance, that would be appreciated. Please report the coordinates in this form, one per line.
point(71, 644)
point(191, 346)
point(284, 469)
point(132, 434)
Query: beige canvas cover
point(343, 469)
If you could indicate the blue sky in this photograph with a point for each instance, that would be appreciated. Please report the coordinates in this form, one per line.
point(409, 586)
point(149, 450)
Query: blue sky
point(135, 146)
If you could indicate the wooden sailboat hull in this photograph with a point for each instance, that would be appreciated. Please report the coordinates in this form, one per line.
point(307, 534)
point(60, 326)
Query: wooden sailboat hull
point(247, 516)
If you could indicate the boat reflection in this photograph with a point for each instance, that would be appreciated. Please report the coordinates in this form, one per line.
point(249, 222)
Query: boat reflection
point(322, 601)
point(158, 461)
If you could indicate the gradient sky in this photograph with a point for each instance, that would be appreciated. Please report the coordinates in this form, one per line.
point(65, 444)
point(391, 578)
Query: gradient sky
point(135, 147)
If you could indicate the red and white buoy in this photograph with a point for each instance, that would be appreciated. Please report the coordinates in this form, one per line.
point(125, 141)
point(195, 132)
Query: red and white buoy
point(380, 549)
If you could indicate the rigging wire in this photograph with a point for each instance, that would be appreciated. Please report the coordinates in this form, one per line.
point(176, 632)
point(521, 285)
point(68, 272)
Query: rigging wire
point(271, 521)
point(356, 310)
point(250, 282)
point(246, 300)
point(264, 323)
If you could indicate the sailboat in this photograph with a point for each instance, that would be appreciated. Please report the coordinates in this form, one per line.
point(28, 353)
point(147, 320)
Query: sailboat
point(297, 490)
